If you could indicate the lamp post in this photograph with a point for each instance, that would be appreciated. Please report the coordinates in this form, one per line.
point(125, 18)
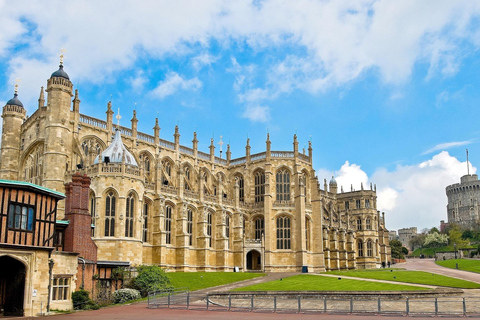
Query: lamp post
point(50, 270)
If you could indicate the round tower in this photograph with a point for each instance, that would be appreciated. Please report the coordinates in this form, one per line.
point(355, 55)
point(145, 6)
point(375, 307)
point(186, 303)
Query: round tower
point(58, 132)
point(13, 116)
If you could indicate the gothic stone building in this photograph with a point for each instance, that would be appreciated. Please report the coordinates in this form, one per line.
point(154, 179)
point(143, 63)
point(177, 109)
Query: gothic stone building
point(153, 201)
point(463, 201)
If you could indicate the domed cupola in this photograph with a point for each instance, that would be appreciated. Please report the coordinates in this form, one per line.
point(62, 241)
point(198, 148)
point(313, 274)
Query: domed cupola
point(333, 182)
point(116, 152)
point(60, 73)
point(14, 101)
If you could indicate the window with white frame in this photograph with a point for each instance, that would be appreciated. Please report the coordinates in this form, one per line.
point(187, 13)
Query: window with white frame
point(60, 288)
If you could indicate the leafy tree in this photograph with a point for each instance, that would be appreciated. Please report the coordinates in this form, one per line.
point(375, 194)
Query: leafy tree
point(434, 229)
point(404, 250)
point(396, 248)
point(150, 278)
point(455, 236)
point(468, 234)
point(435, 240)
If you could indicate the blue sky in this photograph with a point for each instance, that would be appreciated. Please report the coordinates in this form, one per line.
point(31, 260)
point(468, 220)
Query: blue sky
point(388, 91)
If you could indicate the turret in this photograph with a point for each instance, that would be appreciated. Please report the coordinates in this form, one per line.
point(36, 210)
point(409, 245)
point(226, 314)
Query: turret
point(13, 116)
point(58, 140)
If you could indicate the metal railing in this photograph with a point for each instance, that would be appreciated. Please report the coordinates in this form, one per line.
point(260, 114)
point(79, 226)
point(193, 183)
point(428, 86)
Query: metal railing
point(317, 303)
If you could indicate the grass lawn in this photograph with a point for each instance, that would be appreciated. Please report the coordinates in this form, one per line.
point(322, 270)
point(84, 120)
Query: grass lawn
point(201, 280)
point(463, 264)
point(419, 277)
point(306, 282)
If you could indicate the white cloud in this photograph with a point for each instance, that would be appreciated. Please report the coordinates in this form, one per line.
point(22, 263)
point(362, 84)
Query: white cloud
point(447, 145)
point(257, 113)
point(410, 195)
point(204, 59)
point(173, 83)
point(335, 41)
point(139, 80)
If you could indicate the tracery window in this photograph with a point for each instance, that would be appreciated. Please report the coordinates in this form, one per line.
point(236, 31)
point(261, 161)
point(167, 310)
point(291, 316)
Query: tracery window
point(33, 165)
point(168, 224)
point(91, 148)
point(367, 203)
point(368, 224)
point(110, 215)
point(369, 248)
point(227, 226)
point(357, 203)
point(259, 228)
point(347, 205)
point(283, 185)
point(360, 248)
point(209, 228)
point(129, 213)
point(307, 234)
point(259, 186)
point(145, 222)
point(283, 233)
point(190, 226)
point(359, 224)
point(60, 288)
point(241, 189)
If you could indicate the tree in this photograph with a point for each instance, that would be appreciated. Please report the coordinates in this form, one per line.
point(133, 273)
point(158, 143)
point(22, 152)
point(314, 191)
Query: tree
point(396, 248)
point(150, 278)
point(434, 229)
point(435, 240)
point(455, 235)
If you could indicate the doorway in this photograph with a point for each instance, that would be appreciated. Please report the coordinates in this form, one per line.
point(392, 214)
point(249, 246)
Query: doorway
point(12, 286)
point(254, 260)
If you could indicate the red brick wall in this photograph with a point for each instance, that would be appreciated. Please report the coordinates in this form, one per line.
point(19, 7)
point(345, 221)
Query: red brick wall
point(78, 233)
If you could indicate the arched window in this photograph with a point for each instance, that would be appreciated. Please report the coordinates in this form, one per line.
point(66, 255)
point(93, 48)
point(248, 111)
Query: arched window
point(209, 228)
point(359, 224)
point(227, 229)
point(283, 233)
point(283, 185)
point(93, 211)
point(259, 228)
point(129, 213)
point(190, 226)
point(259, 186)
point(241, 189)
point(369, 248)
point(145, 222)
point(360, 248)
point(168, 225)
point(307, 234)
point(110, 215)
point(368, 224)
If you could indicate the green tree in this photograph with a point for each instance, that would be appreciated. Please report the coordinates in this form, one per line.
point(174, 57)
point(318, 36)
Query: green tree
point(434, 229)
point(455, 237)
point(150, 278)
point(396, 248)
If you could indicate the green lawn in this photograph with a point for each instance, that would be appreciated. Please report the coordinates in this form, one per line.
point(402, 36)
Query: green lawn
point(419, 277)
point(463, 264)
point(201, 280)
point(306, 282)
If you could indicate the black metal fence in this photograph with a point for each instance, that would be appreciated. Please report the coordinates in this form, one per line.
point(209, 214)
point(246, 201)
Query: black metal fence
point(291, 303)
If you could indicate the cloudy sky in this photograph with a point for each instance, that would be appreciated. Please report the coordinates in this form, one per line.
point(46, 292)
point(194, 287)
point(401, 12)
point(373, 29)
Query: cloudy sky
point(388, 91)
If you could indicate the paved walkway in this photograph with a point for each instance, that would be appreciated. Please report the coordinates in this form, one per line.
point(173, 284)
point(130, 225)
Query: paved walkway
point(140, 310)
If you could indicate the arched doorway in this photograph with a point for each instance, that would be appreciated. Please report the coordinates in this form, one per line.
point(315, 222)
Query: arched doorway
point(254, 260)
point(12, 286)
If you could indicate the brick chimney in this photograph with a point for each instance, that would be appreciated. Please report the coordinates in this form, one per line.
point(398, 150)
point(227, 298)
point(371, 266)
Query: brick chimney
point(78, 233)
